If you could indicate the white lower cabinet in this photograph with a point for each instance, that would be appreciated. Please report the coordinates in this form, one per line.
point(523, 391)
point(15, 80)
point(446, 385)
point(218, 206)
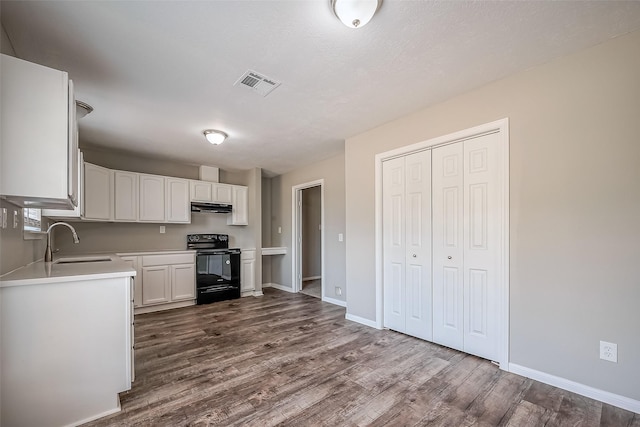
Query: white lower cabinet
point(165, 279)
point(156, 287)
point(132, 261)
point(247, 272)
point(182, 284)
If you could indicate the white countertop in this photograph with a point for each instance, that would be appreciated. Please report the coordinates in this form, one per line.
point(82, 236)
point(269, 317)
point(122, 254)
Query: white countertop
point(157, 252)
point(40, 272)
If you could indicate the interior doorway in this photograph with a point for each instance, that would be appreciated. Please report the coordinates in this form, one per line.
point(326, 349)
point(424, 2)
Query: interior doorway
point(308, 238)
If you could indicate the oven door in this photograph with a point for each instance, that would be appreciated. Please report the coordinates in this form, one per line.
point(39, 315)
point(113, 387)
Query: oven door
point(217, 268)
point(214, 293)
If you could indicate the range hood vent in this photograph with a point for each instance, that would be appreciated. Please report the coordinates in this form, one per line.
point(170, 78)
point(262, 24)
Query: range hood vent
point(210, 207)
point(258, 82)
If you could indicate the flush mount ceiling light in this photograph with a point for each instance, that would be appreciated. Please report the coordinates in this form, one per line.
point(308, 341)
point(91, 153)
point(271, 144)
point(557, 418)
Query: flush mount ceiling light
point(82, 109)
point(355, 13)
point(215, 137)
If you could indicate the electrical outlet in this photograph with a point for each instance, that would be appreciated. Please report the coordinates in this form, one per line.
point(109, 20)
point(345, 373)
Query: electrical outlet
point(340, 237)
point(163, 229)
point(338, 290)
point(279, 230)
point(609, 351)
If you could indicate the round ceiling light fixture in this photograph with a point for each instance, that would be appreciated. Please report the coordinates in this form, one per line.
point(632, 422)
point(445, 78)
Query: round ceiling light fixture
point(355, 13)
point(82, 109)
point(215, 137)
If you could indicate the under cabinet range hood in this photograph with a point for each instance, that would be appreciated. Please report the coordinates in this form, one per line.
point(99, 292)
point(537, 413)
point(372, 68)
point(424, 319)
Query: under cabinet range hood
point(210, 207)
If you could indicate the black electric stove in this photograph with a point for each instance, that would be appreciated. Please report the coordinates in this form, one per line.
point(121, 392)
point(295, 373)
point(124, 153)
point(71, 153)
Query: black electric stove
point(217, 267)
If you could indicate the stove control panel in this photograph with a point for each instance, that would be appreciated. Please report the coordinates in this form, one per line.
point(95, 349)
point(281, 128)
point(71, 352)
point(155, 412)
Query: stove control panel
point(217, 241)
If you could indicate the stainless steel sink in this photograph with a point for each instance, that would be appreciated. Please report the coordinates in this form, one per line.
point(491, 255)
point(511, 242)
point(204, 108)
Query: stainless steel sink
point(82, 259)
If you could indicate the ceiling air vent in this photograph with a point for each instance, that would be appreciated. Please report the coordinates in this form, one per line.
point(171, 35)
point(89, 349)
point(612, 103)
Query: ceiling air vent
point(258, 82)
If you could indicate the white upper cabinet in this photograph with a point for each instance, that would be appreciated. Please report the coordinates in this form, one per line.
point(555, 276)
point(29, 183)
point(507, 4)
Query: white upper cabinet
point(126, 196)
point(37, 101)
point(152, 198)
point(240, 212)
point(214, 192)
point(201, 191)
point(222, 193)
point(98, 193)
point(177, 198)
point(78, 211)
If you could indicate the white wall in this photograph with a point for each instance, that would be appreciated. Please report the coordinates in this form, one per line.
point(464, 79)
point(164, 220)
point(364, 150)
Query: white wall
point(575, 208)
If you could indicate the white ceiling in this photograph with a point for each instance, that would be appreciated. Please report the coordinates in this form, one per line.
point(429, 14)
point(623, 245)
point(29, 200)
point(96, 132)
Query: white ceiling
point(159, 73)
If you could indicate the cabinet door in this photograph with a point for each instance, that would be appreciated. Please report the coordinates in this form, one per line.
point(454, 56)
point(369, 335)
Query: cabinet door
point(152, 204)
point(247, 271)
point(98, 192)
point(178, 205)
point(156, 285)
point(183, 282)
point(133, 262)
point(37, 135)
point(78, 211)
point(222, 193)
point(240, 213)
point(201, 191)
point(126, 196)
point(72, 165)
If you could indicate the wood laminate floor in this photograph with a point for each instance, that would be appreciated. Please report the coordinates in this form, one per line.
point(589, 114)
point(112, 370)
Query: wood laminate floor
point(290, 359)
point(313, 288)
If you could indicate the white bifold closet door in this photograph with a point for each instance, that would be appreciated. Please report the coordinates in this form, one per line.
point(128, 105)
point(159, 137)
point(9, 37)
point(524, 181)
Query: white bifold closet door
point(406, 194)
point(467, 245)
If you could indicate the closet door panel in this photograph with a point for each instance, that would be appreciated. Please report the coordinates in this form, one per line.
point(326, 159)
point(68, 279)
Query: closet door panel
point(482, 245)
point(448, 262)
point(393, 217)
point(418, 245)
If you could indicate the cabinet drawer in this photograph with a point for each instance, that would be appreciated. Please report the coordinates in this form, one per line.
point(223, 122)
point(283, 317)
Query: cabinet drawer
point(151, 260)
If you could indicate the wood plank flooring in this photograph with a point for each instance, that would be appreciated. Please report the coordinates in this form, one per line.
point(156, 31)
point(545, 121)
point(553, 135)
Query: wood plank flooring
point(292, 360)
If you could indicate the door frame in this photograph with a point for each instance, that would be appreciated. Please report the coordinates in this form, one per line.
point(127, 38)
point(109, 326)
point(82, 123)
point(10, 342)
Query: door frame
point(296, 235)
point(500, 127)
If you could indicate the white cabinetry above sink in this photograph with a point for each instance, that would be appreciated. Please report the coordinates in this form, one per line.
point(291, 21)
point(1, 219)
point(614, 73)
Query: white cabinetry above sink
point(37, 101)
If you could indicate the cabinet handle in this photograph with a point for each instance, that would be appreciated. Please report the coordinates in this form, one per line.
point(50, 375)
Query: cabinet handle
point(448, 257)
point(414, 255)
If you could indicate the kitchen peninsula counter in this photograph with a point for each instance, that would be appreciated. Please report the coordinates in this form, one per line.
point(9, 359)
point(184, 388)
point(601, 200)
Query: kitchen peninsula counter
point(66, 335)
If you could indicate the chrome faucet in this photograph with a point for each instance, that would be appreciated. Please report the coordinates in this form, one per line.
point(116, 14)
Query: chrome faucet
point(48, 256)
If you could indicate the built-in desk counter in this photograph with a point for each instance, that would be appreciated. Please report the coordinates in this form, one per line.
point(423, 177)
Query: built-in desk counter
point(280, 250)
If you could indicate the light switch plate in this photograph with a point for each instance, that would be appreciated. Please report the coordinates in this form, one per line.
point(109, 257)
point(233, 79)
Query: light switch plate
point(162, 229)
point(3, 214)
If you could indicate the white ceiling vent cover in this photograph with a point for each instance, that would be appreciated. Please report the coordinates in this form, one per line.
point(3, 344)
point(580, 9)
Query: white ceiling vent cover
point(258, 82)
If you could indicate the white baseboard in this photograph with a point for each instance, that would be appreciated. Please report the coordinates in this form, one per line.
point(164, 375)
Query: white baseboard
point(257, 293)
point(97, 416)
point(584, 390)
point(277, 286)
point(162, 307)
point(335, 301)
point(306, 279)
point(361, 320)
